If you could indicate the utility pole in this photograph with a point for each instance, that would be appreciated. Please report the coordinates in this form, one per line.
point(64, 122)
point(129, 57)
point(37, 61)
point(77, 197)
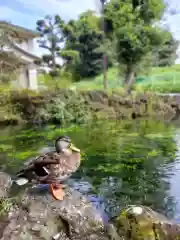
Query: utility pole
point(104, 55)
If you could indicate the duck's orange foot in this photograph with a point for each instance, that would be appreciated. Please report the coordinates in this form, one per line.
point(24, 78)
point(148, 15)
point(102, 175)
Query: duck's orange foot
point(57, 191)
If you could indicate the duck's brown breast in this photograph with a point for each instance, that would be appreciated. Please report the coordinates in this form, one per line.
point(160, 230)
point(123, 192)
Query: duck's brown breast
point(65, 164)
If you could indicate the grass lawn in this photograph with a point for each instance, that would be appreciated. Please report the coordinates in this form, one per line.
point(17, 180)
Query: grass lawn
point(159, 79)
point(114, 81)
point(162, 80)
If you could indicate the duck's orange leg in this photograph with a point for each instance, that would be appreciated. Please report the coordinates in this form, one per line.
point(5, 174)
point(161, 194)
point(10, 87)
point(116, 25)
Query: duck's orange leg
point(57, 191)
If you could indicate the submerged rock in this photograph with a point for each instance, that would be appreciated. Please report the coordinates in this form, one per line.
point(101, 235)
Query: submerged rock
point(142, 223)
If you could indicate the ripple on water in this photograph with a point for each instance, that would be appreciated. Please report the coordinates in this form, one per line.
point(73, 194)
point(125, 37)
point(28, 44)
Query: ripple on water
point(175, 178)
point(122, 163)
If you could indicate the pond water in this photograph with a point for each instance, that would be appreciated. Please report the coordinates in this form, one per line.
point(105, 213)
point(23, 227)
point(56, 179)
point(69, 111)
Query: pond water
point(122, 162)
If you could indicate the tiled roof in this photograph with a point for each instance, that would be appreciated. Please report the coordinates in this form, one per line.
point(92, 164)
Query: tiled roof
point(20, 30)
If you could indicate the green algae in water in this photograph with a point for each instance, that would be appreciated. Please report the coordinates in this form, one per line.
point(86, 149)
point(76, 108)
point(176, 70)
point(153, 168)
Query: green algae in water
point(125, 162)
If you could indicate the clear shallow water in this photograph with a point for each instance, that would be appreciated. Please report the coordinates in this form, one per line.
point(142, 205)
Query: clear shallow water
point(175, 177)
point(123, 162)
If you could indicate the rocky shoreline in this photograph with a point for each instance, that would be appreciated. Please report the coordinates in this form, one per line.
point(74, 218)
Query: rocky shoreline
point(33, 214)
point(77, 107)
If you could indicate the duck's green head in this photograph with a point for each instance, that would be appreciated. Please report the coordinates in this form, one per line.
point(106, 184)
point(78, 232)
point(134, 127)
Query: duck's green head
point(64, 143)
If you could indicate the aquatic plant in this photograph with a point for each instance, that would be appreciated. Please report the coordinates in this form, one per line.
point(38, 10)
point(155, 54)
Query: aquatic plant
point(5, 206)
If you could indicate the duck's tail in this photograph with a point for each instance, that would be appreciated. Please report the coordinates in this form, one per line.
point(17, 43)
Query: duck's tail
point(21, 178)
point(21, 181)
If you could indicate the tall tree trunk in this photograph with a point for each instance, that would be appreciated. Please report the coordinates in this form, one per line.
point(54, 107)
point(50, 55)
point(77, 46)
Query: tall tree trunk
point(104, 55)
point(105, 72)
point(129, 78)
point(53, 60)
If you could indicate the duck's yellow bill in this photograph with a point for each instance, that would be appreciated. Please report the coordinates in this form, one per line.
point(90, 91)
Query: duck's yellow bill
point(72, 147)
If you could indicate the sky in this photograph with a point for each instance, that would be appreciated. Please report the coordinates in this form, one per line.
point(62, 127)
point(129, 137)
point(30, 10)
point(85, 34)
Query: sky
point(25, 13)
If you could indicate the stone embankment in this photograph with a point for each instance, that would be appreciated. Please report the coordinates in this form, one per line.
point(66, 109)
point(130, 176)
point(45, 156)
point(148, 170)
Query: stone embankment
point(77, 107)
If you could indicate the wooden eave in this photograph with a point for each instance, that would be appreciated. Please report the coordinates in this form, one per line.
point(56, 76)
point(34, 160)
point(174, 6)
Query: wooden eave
point(14, 46)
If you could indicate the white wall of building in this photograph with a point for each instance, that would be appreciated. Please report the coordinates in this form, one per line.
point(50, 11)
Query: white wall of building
point(32, 78)
point(22, 80)
point(28, 73)
point(27, 77)
point(27, 45)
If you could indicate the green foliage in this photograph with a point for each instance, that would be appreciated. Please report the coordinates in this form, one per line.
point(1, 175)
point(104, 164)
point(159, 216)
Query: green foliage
point(63, 80)
point(51, 38)
point(5, 205)
point(70, 55)
point(135, 38)
point(119, 12)
point(47, 58)
point(132, 25)
point(166, 54)
point(149, 11)
point(8, 111)
point(56, 106)
point(114, 77)
point(83, 51)
point(72, 110)
point(145, 224)
point(135, 41)
point(90, 54)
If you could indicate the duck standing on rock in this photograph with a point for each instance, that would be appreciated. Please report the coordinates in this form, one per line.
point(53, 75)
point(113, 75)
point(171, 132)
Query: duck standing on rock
point(53, 167)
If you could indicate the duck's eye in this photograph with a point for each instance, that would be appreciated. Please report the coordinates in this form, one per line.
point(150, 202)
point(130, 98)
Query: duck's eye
point(64, 144)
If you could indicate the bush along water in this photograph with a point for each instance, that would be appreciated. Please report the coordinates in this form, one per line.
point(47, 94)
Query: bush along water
point(62, 107)
point(70, 110)
point(70, 106)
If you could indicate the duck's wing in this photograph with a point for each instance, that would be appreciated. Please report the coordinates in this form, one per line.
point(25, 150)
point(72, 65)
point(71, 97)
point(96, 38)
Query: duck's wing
point(46, 159)
point(38, 162)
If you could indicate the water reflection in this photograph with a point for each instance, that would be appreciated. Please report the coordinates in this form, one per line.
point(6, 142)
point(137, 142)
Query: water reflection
point(123, 162)
point(173, 170)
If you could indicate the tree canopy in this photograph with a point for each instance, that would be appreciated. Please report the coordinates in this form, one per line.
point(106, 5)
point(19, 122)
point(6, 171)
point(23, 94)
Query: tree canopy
point(132, 34)
point(51, 38)
point(134, 25)
point(84, 37)
point(166, 54)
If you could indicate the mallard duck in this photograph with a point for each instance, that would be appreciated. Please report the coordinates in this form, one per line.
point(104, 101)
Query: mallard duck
point(54, 167)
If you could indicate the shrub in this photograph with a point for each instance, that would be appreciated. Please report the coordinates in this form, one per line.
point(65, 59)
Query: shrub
point(67, 107)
